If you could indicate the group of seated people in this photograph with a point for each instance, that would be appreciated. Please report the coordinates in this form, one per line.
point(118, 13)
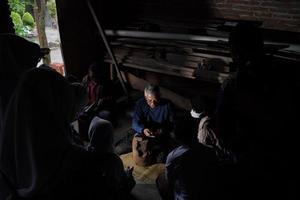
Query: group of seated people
point(40, 159)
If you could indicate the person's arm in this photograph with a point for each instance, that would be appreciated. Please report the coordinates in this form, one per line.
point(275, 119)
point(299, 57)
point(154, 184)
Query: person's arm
point(137, 124)
point(168, 124)
point(105, 96)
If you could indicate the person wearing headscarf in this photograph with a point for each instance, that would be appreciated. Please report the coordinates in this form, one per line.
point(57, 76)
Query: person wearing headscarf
point(37, 160)
point(16, 56)
point(119, 182)
point(202, 113)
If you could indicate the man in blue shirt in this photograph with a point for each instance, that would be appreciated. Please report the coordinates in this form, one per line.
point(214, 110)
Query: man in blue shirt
point(152, 123)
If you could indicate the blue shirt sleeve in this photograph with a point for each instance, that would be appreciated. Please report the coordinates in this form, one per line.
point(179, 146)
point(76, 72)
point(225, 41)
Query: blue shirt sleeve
point(136, 121)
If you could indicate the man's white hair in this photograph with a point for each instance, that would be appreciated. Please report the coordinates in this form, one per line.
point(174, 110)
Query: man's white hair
point(152, 89)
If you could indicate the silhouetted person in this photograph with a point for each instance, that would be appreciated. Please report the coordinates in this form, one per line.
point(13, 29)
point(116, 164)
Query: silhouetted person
point(190, 168)
point(100, 91)
point(5, 19)
point(119, 181)
point(249, 113)
point(38, 160)
point(16, 56)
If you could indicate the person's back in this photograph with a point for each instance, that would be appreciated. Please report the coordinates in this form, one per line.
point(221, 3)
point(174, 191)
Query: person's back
point(16, 56)
point(119, 182)
point(190, 168)
point(191, 172)
point(37, 158)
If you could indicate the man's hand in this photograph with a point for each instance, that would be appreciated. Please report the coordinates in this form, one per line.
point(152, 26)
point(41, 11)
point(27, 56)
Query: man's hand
point(147, 132)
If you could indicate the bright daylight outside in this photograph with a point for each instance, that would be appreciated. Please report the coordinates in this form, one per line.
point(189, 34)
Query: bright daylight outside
point(36, 20)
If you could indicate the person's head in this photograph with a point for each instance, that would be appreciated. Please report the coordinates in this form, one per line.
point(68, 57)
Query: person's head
point(96, 71)
point(246, 43)
point(201, 106)
point(152, 95)
point(186, 131)
point(20, 52)
point(101, 136)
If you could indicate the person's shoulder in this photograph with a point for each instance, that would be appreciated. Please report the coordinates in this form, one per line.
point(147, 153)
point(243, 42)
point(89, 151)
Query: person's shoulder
point(229, 82)
point(176, 153)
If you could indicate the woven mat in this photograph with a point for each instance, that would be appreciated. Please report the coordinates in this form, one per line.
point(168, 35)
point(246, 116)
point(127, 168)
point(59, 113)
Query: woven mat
point(143, 175)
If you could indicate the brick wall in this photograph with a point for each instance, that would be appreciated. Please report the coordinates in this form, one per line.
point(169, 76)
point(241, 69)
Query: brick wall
point(275, 14)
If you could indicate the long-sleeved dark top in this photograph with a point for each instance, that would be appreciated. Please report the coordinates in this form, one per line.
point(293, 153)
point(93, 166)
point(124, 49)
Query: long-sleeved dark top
point(159, 117)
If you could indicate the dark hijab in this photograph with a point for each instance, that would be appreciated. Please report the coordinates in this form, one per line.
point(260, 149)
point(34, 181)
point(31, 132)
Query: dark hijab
point(16, 56)
point(101, 136)
point(34, 140)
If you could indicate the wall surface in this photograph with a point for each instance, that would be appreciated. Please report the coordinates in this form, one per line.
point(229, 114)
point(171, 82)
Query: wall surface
point(275, 14)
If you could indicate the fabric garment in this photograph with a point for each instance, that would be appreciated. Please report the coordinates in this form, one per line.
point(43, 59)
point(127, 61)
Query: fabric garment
point(206, 134)
point(16, 56)
point(119, 183)
point(250, 119)
point(190, 172)
point(36, 155)
point(101, 136)
point(208, 137)
point(99, 92)
point(147, 150)
point(7, 25)
point(159, 117)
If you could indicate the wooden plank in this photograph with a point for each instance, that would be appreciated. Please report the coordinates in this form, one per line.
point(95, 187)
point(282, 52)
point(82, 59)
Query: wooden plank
point(204, 75)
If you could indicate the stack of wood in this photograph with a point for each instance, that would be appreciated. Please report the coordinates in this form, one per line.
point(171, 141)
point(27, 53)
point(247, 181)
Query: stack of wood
point(205, 60)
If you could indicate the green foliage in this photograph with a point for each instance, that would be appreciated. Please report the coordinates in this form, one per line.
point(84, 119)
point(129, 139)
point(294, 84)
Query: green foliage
point(28, 20)
point(18, 24)
point(17, 6)
point(51, 5)
point(23, 25)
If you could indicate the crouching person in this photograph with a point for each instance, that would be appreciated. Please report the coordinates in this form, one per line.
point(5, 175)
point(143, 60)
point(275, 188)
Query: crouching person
point(152, 122)
point(119, 182)
point(190, 168)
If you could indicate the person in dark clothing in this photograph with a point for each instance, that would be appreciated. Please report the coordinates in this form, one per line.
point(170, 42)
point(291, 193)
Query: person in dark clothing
point(119, 182)
point(249, 111)
point(190, 168)
point(38, 160)
point(16, 56)
point(100, 98)
point(7, 25)
point(99, 88)
point(152, 123)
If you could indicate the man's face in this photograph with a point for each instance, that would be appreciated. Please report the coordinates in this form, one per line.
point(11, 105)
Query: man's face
point(152, 99)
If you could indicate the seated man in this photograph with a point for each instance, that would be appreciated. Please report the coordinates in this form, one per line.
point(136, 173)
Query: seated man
point(152, 122)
